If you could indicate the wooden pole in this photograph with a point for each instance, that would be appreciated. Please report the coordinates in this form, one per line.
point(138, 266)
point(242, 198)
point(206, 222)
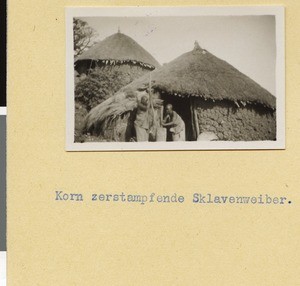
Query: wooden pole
point(196, 122)
point(150, 86)
point(161, 115)
point(194, 131)
point(151, 98)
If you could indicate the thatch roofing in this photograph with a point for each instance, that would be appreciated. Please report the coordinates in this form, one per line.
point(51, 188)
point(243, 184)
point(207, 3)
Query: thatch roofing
point(121, 48)
point(112, 108)
point(199, 73)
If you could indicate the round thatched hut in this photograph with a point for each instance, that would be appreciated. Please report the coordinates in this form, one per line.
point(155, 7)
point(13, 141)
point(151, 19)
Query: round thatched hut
point(214, 97)
point(215, 100)
point(117, 51)
point(106, 67)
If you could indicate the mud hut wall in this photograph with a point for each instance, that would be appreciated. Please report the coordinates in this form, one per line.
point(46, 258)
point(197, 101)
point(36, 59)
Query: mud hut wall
point(129, 72)
point(120, 130)
point(229, 122)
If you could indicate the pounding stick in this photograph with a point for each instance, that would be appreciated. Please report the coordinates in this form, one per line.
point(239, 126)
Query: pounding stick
point(151, 100)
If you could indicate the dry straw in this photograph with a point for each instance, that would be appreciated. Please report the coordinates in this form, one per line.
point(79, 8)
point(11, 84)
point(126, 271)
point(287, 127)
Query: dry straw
point(119, 49)
point(199, 73)
point(109, 111)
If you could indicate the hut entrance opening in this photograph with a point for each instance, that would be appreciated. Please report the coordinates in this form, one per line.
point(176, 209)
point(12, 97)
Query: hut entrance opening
point(183, 106)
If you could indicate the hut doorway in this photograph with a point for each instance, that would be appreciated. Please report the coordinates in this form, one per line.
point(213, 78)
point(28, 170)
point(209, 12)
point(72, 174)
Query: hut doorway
point(183, 106)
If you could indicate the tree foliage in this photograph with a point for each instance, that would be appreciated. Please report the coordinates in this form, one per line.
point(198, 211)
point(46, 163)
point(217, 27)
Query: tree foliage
point(84, 36)
point(99, 85)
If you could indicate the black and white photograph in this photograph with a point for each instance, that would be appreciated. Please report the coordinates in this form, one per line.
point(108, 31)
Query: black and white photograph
point(175, 78)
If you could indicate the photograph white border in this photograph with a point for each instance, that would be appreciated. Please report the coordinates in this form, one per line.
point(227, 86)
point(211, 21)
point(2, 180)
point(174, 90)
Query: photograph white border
point(3, 110)
point(142, 11)
point(3, 261)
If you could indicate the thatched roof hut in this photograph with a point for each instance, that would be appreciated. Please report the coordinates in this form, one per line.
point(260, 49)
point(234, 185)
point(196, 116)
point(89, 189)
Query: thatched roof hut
point(212, 96)
point(117, 49)
point(199, 73)
point(107, 66)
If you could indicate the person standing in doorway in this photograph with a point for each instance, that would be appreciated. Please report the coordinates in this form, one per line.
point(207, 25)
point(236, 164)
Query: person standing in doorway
point(141, 123)
point(174, 124)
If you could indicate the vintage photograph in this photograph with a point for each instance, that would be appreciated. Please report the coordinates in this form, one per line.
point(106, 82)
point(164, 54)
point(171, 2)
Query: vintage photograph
point(172, 79)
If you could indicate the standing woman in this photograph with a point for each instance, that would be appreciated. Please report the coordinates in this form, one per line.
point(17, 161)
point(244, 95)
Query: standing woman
point(174, 124)
point(141, 123)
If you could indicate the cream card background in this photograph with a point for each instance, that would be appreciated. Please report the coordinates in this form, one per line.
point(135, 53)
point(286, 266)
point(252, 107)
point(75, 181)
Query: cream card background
point(90, 243)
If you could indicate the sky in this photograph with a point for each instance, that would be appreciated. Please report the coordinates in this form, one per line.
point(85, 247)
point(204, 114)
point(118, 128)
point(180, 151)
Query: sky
point(246, 42)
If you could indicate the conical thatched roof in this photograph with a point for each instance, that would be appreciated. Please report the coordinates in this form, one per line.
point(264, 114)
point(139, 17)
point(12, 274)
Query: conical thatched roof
point(199, 73)
point(119, 47)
